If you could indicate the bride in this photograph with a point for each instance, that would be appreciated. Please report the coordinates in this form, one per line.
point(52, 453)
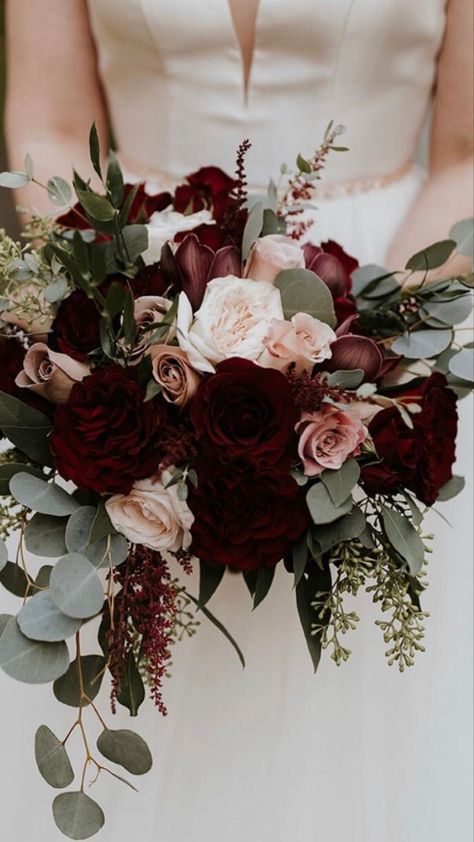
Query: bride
point(274, 754)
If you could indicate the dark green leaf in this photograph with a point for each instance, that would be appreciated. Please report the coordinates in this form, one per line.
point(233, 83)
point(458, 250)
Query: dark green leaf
point(44, 535)
point(14, 580)
point(217, 623)
point(26, 428)
point(210, 577)
point(102, 525)
point(300, 557)
point(115, 180)
point(97, 207)
point(131, 692)
point(347, 528)
point(127, 749)
point(271, 223)
point(341, 483)
point(52, 759)
point(29, 660)
point(321, 507)
point(265, 577)
point(404, 537)
point(9, 469)
point(303, 165)
point(451, 489)
point(67, 687)
point(136, 241)
point(77, 815)
point(431, 257)
point(305, 595)
point(94, 149)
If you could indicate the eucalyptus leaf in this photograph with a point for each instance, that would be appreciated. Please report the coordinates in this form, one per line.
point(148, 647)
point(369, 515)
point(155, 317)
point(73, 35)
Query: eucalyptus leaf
point(14, 180)
point(3, 554)
point(9, 469)
point(346, 379)
point(210, 577)
point(321, 507)
point(265, 576)
point(79, 528)
point(462, 364)
point(110, 551)
point(52, 759)
point(252, 228)
point(404, 537)
point(303, 291)
point(59, 191)
point(77, 815)
point(431, 257)
point(14, 580)
point(347, 528)
point(422, 344)
point(463, 234)
point(28, 660)
point(102, 525)
point(76, 588)
point(47, 498)
point(131, 692)
point(382, 287)
point(451, 489)
point(41, 619)
point(127, 749)
point(67, 689)
point(340, 483)
point(365, 275)
point(43, 576)
point(26, 428)
point(4, 618)
point(449, 313)
point(45, 535)
point(56, 290)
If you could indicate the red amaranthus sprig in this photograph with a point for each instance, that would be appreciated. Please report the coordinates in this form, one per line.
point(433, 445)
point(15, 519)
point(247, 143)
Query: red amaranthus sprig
point(240, 189)
point(146, 607)
point(309, 392)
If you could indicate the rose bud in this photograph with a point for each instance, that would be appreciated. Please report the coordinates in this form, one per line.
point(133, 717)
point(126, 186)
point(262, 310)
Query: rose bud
point(303, 342)
point(50, 374)
point(351, 352)
point(271, 255)
point(174, 373)
point(151, 310)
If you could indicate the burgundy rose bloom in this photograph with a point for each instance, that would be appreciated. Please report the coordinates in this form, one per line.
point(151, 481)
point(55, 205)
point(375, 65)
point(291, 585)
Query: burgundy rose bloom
point(105, 437)
point(212, 189)
point(244, 520)
point(193, 265)
point(76, 328)
point(247, 412)
point(143, 206)
point(420, 459)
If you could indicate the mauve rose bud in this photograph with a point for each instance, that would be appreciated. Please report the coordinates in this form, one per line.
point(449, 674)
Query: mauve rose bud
point(327, 267)
point(50, 374)
point(352, 352)
point(174, 373)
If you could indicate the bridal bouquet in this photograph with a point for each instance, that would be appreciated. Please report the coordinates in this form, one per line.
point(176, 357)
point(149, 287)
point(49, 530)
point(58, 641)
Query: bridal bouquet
point(186, 381)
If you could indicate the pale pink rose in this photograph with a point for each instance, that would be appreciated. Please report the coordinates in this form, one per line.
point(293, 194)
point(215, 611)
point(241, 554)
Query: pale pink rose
point(50, 374)
point(152, 515)
point(329, 437)
point(175, 374)
point(29, 310)
point(304, 341)
point(271, 255)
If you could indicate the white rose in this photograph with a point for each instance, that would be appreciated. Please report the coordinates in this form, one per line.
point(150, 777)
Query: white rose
point(233, 321)
point(152, 515)
point(164, 225)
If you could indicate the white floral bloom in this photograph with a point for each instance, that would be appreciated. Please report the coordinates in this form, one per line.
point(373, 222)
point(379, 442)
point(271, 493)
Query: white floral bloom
point(152, 515)
point(233, 321)
point(164, 225)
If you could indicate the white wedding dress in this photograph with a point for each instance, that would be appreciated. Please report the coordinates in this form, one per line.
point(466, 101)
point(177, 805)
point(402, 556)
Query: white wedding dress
point(274, 753)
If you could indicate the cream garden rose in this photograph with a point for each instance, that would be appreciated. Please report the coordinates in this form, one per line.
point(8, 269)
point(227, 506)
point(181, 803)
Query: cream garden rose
point(164, 225)
point(152, 515)
point(232, 321)
point(271, 255)
point(328, 437)
point(303, 341)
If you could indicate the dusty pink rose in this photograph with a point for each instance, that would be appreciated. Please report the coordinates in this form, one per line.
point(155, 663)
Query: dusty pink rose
point(304, 341)
point(328, 438)
point(50, 374)
point(174, 373)
point(271, 255)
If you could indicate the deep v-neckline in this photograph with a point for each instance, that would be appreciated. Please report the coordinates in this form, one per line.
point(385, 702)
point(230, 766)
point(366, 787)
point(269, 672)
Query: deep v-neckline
point(245, 67)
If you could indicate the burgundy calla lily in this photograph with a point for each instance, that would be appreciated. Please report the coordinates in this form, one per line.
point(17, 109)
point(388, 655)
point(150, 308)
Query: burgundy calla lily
point(193, 265)
point(350, 352)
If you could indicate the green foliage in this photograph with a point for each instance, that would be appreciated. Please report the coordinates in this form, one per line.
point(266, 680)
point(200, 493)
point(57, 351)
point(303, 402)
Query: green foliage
point(26, 428)
point(210, 577)
point(52, 759)
point(252, 228)
point(76, 588)
point(303, 292)
point(127, 749)
point(28, 660)
point(77, 815)
point(81, 683)
point(40, 619)
point(322, 507)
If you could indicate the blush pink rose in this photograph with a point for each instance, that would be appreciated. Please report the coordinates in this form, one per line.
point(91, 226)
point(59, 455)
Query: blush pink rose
point(329, 437)
point(304, 342)
point(271, 255)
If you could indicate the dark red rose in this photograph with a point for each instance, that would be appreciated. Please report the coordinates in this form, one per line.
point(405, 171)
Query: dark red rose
point(247, 412)
point(208, 235)
point(143, 206)
point(76, 328)
point(421, 459)
point(193, 265)
point(212, 189)
point(12, 355)
point(350, 352)
point(105, 437)
point(245, 520)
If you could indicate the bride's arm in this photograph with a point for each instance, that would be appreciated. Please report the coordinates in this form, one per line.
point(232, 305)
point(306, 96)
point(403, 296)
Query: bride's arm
point(53, 93)
point(448, 193)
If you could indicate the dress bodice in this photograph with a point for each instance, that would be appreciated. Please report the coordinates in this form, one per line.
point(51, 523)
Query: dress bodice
point(173, 78)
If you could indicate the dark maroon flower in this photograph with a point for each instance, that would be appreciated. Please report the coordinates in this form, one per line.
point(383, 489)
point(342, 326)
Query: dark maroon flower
point(193, 265)
point(334, 266)
point(212, 189)
point(76, 328)
point(420, 459)
point(244, 520)
point(246, 412)
point(350, 352)
point(106, 437)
